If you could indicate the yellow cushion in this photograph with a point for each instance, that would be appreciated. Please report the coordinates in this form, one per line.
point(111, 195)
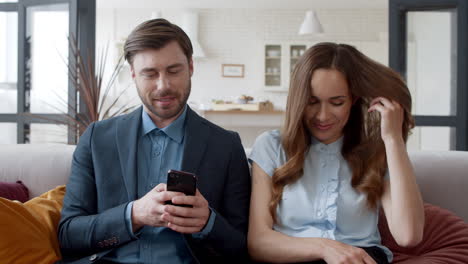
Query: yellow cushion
point(29, 231)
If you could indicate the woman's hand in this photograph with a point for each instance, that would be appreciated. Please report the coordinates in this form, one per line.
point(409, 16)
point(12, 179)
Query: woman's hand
point(391, 118)
point(339, 253)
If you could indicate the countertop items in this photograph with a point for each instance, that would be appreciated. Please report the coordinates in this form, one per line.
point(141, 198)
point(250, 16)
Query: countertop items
point(259, 106)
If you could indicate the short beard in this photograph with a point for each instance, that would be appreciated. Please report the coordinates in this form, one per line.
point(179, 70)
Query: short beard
point(185, 96)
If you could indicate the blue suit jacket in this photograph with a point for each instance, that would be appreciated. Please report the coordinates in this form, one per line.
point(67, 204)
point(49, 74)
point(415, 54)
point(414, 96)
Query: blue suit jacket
point(103, 181)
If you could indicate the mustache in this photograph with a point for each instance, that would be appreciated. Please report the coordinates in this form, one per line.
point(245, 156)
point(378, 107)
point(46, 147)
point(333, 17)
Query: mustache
point(163, 94)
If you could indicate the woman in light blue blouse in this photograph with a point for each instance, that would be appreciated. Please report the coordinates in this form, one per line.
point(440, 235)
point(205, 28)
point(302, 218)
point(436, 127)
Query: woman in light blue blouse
point(317, 185)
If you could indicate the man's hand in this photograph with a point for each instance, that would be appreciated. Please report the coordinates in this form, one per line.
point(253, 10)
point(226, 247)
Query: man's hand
point(184, 219)
point(148, 210)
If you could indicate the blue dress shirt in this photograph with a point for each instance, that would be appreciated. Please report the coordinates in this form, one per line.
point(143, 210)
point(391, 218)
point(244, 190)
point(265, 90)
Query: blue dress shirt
point(159, 150)
point(322, 203)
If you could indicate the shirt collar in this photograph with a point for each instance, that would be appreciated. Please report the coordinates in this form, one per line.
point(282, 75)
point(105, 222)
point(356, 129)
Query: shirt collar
point(331, 148)
point(174, 130)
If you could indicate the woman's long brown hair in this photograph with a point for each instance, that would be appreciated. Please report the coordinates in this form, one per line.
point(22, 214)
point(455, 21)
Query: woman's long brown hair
point(363, 147)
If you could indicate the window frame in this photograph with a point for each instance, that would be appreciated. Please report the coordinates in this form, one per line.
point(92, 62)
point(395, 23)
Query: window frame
point(82, 24)
point(398, 10)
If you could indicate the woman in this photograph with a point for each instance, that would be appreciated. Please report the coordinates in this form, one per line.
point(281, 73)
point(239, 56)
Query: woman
point(317, 186)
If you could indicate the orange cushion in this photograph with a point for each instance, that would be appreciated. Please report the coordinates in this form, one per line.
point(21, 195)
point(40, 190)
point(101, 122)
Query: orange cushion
point(445, 239)
point(29, 231)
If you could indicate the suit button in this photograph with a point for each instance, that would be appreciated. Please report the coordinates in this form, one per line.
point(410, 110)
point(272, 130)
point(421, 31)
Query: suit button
point(93, 257)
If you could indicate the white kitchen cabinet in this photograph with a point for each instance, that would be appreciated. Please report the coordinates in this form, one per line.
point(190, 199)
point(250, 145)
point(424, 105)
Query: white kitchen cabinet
point(279, 62)
point(280, 59)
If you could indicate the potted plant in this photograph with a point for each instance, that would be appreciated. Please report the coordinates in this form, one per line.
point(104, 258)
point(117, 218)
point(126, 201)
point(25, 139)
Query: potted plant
point(87, 79)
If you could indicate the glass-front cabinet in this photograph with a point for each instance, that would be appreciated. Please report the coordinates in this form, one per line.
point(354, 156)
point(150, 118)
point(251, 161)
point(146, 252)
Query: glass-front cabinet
point(279, 62)
point(295, 51)
point(273, 61)
point(281, 58)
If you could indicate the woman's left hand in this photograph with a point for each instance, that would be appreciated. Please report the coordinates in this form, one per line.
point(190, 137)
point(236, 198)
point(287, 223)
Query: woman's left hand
point(391, 118)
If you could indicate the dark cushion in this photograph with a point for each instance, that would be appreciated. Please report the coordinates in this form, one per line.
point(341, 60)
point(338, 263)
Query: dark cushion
point(445, 239)
point(14, 191)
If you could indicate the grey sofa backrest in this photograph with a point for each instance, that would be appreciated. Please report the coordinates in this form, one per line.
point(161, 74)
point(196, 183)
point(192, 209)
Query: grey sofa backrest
point(441, 175)
point(443, 179)
point(41, 167)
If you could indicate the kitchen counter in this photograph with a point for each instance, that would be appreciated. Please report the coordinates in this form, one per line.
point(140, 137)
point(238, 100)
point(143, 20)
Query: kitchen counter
point(239, 118)
point(249, 124)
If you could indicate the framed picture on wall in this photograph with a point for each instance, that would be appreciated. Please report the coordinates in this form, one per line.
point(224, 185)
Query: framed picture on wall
point(233, 70)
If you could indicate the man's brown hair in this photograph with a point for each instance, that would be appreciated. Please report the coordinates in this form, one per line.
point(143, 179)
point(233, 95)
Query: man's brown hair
point(155, 34)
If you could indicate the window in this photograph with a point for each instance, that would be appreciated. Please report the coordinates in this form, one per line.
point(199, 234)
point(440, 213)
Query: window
point(427, 47)
point(34, 54)
point(8, 62)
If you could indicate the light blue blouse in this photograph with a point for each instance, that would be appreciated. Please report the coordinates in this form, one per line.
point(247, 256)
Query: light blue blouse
point(322, 203)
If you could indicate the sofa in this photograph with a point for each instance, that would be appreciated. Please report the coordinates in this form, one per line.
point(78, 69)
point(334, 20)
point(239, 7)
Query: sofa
point(442, 177)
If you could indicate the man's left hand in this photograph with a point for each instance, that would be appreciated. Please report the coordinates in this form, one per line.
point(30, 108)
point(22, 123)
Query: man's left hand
point(185, 219)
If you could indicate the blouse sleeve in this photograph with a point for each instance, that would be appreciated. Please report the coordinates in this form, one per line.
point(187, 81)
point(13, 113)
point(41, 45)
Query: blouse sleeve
point(267, 151)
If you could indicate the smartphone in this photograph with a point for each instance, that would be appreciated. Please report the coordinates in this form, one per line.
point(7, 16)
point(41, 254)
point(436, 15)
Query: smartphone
point(181, 181)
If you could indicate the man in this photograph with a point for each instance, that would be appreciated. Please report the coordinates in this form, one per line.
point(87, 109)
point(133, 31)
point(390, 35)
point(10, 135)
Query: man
point(114, 208)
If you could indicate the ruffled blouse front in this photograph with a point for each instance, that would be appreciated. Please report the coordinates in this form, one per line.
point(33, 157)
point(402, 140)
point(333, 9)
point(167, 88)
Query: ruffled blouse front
point(322, 202)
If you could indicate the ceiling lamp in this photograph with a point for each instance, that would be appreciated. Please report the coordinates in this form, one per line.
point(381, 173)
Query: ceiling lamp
point(311, 24)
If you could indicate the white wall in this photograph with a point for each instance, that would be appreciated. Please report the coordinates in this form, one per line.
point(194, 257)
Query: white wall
point(237, 36)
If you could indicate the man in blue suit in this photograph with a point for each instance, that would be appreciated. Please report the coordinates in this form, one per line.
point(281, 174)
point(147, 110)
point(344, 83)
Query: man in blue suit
point(114, 209)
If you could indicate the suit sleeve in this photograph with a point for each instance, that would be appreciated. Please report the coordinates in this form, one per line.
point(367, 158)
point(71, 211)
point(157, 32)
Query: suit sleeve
point(81, 227)
point(228, 237)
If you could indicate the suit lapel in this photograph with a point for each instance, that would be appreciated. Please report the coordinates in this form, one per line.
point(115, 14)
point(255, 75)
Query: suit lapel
point(196, 138)
point(127, 146)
